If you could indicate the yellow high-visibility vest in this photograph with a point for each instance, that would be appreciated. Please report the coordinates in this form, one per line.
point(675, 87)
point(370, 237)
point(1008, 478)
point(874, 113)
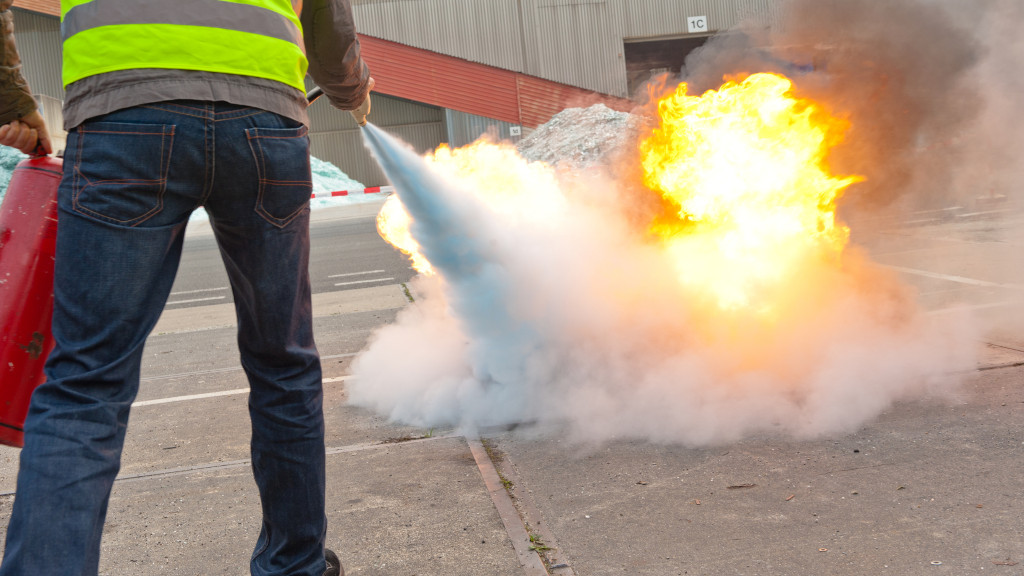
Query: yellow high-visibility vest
point(261, 38)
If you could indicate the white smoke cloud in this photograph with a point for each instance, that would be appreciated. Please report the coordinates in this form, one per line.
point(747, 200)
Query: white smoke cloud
point(568, 317)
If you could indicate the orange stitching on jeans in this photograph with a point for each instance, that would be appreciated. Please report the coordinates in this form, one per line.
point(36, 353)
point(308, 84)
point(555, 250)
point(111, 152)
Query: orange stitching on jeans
point(161, 183)
point(170, 111)
point(259, 209)
point(124, 132)
point(163, 107)
point(253, 113)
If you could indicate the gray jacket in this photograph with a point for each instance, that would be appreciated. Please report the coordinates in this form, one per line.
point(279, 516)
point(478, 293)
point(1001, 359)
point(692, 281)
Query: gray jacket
point(335, 64)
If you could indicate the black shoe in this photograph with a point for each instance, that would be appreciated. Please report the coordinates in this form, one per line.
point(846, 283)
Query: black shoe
point(334, 567)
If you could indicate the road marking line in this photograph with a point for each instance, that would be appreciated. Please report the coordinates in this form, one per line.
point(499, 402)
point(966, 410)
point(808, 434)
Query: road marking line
point(191, 397)
point(214, 394)
point(197, 300)
point(356, 273)
point(961, 308)
point(198, 291)
point(952, 278)
point(363, 281)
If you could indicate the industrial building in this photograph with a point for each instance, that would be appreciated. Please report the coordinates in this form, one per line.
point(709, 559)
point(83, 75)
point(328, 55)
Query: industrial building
point(448, 71)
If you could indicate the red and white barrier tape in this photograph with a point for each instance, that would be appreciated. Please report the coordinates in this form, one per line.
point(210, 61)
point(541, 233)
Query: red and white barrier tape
point(370, 190)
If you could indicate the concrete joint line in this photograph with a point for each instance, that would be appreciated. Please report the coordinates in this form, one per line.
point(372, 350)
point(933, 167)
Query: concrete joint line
point(999, 366)
point(529, 559)
point(245, 463)
point(223, 370)
point(557, 560)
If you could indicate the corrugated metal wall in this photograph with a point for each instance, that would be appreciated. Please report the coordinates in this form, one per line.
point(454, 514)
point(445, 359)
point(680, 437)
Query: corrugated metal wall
point(38, 38)
point(335, 137)
point(448, 27)
point(465, 128)
point(577, 42)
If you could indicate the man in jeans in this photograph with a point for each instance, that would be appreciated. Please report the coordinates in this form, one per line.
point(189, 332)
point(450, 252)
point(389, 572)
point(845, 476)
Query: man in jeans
point(171, 106)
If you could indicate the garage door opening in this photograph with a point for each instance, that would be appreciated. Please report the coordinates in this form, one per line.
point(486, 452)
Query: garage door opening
point(646, 59)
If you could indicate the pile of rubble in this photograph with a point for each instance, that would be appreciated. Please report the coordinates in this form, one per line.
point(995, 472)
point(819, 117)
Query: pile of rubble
point(580, 137)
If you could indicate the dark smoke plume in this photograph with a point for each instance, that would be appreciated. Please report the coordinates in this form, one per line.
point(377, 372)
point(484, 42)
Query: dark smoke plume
point(900, 71)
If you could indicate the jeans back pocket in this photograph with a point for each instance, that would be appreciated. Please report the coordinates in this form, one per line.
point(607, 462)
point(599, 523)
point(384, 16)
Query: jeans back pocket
point(285, 180)
point(120, 170)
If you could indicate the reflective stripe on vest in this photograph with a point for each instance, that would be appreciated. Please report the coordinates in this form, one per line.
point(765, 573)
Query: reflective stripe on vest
point(260, 38)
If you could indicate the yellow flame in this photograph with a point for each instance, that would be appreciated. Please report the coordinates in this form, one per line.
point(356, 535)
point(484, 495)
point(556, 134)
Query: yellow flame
point(393, 224)
point(744, 168)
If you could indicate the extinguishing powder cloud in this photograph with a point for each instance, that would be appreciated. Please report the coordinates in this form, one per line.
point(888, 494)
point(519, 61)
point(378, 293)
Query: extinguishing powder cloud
point(555, 310)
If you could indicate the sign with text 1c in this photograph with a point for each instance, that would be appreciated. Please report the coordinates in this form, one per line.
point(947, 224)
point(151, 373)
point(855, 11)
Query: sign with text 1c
point(696, 24)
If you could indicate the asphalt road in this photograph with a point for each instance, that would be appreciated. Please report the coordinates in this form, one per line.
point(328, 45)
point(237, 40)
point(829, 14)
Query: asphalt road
point(346, 253)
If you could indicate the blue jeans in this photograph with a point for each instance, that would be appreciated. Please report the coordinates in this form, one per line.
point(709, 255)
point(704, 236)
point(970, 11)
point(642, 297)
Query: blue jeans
point(131, 180)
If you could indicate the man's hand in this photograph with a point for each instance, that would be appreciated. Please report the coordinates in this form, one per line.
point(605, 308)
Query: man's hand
point(27, 134)
point(363, 111)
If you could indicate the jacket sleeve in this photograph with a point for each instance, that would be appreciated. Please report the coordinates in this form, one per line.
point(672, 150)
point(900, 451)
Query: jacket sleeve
point(15, 97)
point(332, 48)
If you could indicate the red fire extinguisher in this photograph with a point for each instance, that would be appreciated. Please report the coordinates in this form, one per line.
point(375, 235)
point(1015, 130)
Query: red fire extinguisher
point(28, 241)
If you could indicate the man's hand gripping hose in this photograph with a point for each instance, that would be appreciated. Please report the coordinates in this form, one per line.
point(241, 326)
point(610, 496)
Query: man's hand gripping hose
point(360, 113)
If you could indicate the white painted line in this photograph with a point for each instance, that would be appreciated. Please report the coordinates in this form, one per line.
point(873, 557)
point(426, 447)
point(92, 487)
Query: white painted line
point(214, 394)
point(952, 278)
point(191, 397)
point(363, 281)
point(356, 273)
point(198, 291)
point(197, 300)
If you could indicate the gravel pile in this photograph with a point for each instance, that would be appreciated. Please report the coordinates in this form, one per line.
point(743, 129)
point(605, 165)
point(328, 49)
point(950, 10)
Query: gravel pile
point(579, 137)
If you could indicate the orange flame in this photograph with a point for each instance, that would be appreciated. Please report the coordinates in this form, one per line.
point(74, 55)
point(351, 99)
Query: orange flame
point(744, 169)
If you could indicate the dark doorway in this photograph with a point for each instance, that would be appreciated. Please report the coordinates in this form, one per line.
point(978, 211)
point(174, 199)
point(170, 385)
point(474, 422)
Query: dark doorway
point(648, 58)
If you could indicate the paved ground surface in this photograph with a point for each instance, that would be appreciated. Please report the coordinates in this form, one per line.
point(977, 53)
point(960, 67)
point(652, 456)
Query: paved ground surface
point(930, 487)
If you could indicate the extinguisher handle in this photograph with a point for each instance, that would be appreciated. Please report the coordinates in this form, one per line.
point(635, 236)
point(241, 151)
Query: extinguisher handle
point(39, 151)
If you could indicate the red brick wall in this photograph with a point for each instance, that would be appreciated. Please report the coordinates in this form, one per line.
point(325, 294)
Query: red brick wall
point(449, 82)
point(51, 7)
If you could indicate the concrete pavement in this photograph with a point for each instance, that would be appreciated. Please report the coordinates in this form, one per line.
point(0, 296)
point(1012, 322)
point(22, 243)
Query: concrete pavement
point(930, 487)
